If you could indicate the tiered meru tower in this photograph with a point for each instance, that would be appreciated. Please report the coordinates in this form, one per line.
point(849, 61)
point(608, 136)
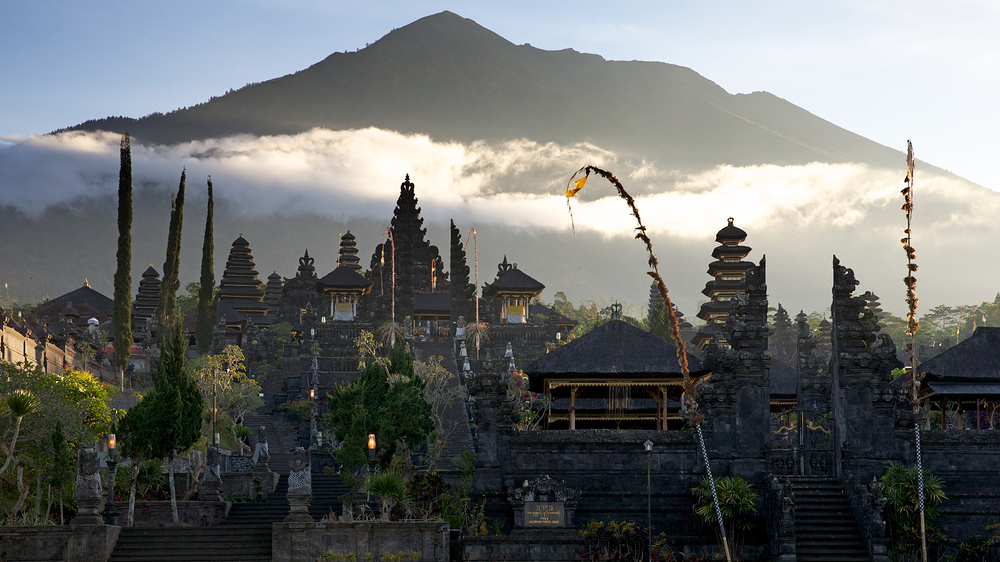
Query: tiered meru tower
point(240, 287)
point(728, 271)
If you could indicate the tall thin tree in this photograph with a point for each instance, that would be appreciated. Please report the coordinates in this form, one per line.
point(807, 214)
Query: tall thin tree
point(206, 293)
point(121, 315)
point(166, 314)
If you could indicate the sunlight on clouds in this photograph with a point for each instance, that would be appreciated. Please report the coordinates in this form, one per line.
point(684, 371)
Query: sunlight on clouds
point(517, 183)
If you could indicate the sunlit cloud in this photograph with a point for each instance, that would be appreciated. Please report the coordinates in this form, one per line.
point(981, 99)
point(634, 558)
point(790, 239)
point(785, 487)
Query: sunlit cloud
point(518, 183)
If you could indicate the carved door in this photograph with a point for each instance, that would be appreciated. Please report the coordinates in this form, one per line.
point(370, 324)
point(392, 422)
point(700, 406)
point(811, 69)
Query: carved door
point(801, 444)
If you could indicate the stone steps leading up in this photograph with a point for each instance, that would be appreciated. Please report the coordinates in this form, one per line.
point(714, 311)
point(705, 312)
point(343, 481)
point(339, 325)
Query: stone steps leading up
point(193, 544)
point(825, 528)
point(455, 416)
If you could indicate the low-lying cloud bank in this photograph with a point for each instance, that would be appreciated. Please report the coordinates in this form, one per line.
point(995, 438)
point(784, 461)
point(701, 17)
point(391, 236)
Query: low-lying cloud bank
point(813, 208)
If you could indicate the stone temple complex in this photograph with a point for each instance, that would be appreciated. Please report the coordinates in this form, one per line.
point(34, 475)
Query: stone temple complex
point(561, 434)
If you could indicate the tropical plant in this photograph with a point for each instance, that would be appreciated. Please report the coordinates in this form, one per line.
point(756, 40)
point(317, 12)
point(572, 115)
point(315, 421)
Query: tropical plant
point(18, 403)
point(614, 541)
point(899, 486)
point(390, 486)
point(737, 502)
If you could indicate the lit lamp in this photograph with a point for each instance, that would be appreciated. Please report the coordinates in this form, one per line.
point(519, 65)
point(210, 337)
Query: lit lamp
point(110, 512)
point(371, 452)
point(312, 393)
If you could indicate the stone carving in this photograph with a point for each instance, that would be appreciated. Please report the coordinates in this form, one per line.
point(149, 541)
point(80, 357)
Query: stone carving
point(543, 488)
point(556, 500)
point(211, 484)
point(299, 487)
point(88, 493)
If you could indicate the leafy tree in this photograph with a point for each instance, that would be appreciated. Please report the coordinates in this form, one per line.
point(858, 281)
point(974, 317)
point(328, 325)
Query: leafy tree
point(169, 420)
point(207, 301)
point(73, 399)
point(166, 312)
point(121, 315)
point(387, 399)
point(223, 380)
point(61, 473)
point(442, 391)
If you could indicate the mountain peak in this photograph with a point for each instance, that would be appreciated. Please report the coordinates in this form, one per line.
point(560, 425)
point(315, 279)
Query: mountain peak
point(444, 29)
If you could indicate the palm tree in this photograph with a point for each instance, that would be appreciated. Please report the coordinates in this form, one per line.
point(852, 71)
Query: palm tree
point(19, 403)
point(390, 486)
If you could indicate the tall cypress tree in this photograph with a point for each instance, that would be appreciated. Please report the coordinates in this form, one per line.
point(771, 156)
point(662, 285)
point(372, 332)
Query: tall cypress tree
point(122, 313)
point(206, 294)
point(166, 314)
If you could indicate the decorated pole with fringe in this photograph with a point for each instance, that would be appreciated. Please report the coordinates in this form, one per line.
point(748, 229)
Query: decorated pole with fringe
point(912, 378)
point(392, 295)
point(475, 292)
point(689, 402)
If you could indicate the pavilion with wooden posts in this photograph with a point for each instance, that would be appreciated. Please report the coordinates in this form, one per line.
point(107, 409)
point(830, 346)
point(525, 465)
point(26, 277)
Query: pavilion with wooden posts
point(616, 376)
point(962, 384)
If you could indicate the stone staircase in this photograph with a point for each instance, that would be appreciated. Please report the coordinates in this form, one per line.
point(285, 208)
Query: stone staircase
point(825, 528)
point(455, 414)
point(193, 544)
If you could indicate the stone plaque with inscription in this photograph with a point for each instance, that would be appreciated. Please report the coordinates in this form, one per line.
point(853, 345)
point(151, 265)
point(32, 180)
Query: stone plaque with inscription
point(543, 502)
point(544, 514)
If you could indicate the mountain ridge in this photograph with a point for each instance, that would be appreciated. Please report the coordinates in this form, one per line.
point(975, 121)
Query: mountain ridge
point(450, 78)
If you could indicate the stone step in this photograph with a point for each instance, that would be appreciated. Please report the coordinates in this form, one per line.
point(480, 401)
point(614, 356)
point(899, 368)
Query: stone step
point(825, 528)
point(189, 544)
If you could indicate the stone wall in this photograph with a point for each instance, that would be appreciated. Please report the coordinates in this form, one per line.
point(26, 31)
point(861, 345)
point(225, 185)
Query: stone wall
point(609, 468)
point(303, 542)
point(967, 462)
point(548, 545)
point(86, 543)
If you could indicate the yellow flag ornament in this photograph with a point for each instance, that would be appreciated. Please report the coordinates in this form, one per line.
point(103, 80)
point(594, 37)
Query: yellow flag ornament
point(575, 184)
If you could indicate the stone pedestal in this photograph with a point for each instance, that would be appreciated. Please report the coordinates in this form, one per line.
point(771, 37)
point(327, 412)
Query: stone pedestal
point(299, 512)
point(299, 487)
point(87, 494)
point(88, 511)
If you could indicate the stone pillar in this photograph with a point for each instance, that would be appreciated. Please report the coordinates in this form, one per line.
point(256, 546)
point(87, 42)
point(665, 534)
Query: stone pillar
point(299, 487)
point(737, 398)
point(210, 489)
point(866, 408)
point(88, 494)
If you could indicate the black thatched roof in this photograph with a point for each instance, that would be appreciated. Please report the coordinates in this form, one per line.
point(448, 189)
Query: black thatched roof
point(784, 380)
point(616, 349)
point(514, 280)
point(433, 303)
point(84, 295)
point(344, 278)
point(976, 359)
point(228, 314)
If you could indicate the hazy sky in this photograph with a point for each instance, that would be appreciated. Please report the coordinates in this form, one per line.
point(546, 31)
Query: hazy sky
point(886, 69)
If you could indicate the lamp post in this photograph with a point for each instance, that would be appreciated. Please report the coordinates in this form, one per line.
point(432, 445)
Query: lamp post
point(371, 452)
point(649, 500)
point(110, 512)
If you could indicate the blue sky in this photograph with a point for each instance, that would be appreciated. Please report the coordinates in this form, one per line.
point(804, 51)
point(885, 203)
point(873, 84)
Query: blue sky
point(888, 70)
